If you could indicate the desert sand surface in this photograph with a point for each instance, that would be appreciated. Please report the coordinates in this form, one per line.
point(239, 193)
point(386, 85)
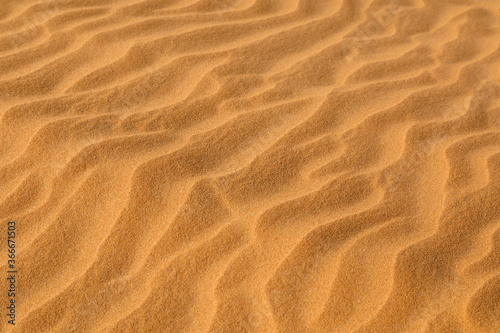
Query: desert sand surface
point(251, 165)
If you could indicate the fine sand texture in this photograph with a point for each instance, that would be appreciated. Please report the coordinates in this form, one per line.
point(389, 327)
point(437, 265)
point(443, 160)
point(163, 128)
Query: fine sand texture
point(231, 166)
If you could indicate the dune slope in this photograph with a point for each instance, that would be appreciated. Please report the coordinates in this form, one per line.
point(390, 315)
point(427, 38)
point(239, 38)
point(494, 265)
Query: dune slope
point(252, 165)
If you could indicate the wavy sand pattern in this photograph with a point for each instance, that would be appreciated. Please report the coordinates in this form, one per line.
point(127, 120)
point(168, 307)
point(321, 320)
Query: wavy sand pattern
point(252, 165)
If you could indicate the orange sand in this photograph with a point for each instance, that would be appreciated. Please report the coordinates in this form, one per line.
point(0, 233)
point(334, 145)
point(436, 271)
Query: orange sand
point(251, 165)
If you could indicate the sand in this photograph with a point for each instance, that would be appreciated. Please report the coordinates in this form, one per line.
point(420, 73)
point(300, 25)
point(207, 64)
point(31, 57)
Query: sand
point(251, 165)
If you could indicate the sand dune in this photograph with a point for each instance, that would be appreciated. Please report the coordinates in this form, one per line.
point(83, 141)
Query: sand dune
point(251, 165)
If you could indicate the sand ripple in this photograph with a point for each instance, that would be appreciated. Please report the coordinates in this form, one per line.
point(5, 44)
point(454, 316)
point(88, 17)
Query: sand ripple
point(252, 165)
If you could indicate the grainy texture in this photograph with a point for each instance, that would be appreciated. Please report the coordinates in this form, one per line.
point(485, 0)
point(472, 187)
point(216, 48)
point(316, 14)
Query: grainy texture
point(252, 165)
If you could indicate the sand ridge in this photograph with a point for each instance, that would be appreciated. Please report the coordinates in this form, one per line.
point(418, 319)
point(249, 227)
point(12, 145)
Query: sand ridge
point(252, 165)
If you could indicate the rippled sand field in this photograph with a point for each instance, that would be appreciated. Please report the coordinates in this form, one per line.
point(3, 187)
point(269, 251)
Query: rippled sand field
point(251, 165)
